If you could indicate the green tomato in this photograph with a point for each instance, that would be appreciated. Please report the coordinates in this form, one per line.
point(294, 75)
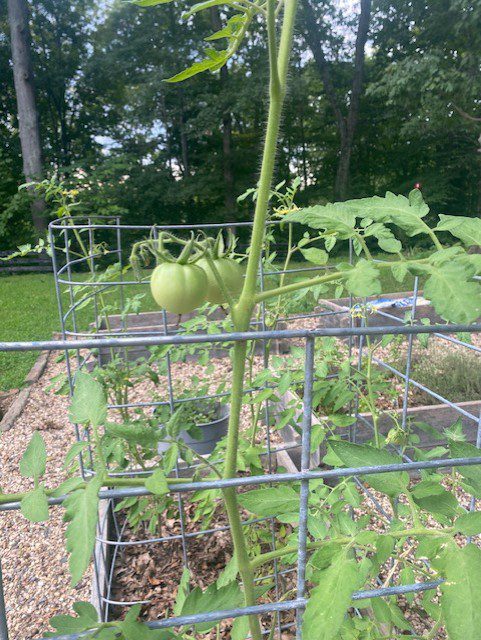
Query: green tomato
point(231, 273)
point(178, 288)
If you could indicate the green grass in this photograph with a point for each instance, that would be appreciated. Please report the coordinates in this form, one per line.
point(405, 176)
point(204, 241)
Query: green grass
point(28, 311)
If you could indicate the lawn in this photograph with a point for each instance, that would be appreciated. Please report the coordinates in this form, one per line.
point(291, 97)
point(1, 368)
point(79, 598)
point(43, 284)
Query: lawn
point(28, 311)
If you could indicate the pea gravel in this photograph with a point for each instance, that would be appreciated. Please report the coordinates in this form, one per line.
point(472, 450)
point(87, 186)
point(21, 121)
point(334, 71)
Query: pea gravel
point(34, 560)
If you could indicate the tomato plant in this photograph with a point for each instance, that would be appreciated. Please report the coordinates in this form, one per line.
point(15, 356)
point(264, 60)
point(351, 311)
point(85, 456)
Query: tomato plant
point(347, 554)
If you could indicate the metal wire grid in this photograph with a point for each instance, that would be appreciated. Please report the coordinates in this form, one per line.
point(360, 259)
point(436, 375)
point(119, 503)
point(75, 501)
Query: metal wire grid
point(264, 335)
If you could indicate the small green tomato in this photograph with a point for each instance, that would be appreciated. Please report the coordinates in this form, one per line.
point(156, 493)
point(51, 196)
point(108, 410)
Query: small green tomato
point(178, 288)
point(231, 273)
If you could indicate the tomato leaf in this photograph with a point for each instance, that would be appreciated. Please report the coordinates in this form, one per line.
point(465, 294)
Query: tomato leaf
point(329, 217)
point(330, 599)
point(454, 296)
point(157, 483)
point(362, 279)
point(468, 230)
point(87, 619)
point(198, 601)
point(357, 455)
point(34, 460)
point(240, 628)
point(81, 511)
point(460, 599)
point(270, 502)
point(469, 523)
point(316, 256)
point(405, 213)
point(34, 505)
point(89, 403)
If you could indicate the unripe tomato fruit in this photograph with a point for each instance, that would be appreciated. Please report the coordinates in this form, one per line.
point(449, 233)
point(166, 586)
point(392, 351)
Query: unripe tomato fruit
point(178, 288)
point(231, 273)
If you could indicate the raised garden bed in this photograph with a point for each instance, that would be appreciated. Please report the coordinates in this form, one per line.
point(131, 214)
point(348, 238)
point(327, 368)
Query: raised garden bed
point(151, 323)
point(390, 305)
point(439, 416)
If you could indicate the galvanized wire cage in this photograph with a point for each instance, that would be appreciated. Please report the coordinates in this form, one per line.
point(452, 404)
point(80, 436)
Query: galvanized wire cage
point(83, 346)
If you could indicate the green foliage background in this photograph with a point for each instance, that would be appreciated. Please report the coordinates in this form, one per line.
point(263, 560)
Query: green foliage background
point(151, 151)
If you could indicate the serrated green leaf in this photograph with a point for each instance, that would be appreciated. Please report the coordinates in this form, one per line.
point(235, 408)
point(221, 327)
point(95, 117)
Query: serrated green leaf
point(34, 460)
point(362, 279)
point(182, 592)
point(233, 26)
point(157, 483)
point(270, 502)
point(357, 455)
point(384, 548)
point(405, 213)
point(198, 601)
point(34, 506)
point(330, 599)
point(385, 237)
point(460, 599)
point(468, 230)
point(73, 452)
point(133, 629)
point(69, 485)
point(240, 628)
point(469, 523)
point(170, 457)
point(214, 61)
point(87, 619)
point(89, 404)
point(439, 502)
point(329, 217)
point(316, 256)
point(454, 296)
point(81, 512)
point(229, 574)
point(381, 610)
point(200, 6)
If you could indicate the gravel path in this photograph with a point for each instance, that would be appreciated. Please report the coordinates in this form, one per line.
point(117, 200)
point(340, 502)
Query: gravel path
point(34, 560)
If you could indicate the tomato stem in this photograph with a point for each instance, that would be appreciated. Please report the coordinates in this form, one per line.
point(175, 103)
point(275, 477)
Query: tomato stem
point(243, 310)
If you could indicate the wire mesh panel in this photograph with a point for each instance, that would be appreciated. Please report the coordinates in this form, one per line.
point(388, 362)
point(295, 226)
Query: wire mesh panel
point(106, 343)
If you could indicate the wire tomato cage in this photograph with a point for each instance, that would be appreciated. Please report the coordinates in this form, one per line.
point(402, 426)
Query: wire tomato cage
point(83, 348)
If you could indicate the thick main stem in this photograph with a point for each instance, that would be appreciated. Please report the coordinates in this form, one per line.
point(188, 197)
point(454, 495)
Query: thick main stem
point(242, 312)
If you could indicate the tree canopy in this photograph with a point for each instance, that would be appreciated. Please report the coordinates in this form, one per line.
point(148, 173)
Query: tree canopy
point(151, 151)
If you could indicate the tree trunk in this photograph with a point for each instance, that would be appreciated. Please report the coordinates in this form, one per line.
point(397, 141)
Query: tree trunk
point(229, 199)
point(341, 185)
point(347, 125)
point(228, 171)
point(26, 105)
point(184, 143)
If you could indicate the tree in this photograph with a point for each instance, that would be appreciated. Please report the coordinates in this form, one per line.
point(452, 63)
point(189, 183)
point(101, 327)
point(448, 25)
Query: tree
point(430, 88)
point(28, 120)
point(346, 123)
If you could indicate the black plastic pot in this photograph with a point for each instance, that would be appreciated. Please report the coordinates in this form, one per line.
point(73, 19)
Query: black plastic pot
point(212, 432)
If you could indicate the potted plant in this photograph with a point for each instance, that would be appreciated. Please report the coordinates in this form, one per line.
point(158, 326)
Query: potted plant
point(201, 425)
